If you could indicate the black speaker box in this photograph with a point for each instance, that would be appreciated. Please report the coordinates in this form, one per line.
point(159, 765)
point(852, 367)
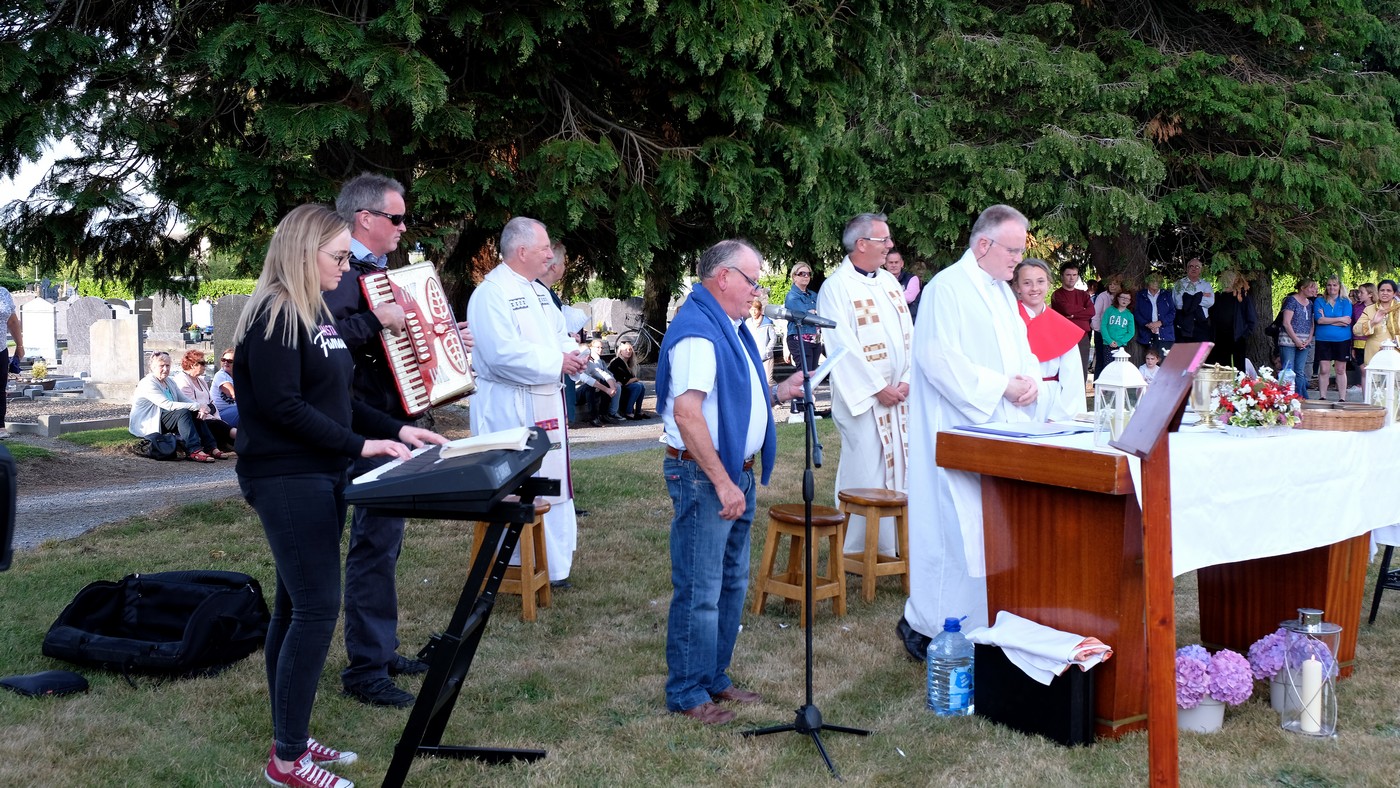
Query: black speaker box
point(1062, 712)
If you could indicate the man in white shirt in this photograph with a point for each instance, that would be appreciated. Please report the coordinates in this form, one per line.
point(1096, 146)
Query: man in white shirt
point(710, 364)
point(972, 365)
point(870, 383)
point(1193, 297)
point(521, 352)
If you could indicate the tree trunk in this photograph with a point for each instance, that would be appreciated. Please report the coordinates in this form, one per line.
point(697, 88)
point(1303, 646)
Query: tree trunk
point(1259, 347)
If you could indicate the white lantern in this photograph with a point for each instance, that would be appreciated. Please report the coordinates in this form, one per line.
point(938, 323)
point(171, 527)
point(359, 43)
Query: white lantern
point(1383, 380)
point(1116, 395)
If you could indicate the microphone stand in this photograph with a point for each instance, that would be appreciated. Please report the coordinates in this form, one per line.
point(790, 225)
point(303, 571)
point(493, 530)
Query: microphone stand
point(808, 721)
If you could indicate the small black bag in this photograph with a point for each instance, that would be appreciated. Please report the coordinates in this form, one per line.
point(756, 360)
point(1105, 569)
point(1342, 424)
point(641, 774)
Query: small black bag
point(50, 683)
point(167, 623)
point(157, 446)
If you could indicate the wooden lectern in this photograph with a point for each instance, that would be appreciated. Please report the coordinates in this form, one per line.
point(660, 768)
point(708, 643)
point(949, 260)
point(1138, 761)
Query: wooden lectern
point(1068, 546)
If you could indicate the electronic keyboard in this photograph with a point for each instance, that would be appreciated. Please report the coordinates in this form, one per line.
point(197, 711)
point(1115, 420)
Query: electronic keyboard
point(426, 484)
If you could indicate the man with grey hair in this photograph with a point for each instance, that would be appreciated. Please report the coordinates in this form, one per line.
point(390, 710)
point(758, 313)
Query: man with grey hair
point(710, 365)
point(524, 351)
point(374, 207)
point(972, 365)
point(870, 384)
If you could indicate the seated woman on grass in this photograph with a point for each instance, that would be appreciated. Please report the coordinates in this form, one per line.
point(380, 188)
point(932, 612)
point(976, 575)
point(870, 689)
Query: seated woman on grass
point(190, 380)
point(158, 406)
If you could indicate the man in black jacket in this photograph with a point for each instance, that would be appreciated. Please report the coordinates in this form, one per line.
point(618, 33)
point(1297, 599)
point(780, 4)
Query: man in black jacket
point(374, 205)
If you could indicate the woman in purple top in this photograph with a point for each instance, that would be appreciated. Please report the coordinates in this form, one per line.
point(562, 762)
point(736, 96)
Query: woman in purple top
point(1297, 334)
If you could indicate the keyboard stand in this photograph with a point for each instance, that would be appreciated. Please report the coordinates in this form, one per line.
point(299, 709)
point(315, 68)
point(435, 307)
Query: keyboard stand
point(449, 654)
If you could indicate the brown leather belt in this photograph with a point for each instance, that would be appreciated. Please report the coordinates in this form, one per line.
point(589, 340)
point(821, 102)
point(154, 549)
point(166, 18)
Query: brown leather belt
point(677, 454)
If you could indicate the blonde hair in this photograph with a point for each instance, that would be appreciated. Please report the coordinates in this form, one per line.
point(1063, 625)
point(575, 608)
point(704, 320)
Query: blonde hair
point(289, 288)
point(633, 364)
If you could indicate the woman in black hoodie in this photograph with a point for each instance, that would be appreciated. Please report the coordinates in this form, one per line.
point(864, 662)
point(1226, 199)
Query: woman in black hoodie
point(299, 430)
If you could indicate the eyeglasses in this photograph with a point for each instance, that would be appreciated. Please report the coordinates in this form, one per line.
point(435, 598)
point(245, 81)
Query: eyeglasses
point(400, 219)
point(340, 258)
point(1015, 251)
point(801, 273)
point(225, 361)
point(884, 240)
point(753, 284)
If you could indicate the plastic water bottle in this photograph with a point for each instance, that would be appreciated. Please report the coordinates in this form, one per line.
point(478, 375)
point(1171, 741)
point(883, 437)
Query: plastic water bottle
point(1289, 378)
point(950, 671)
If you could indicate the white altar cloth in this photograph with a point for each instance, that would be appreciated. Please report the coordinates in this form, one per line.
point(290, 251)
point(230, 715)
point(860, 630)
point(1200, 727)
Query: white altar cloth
point(1234, 499)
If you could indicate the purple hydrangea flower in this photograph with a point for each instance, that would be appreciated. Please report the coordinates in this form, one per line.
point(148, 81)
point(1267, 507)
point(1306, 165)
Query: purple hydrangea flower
point(1231, 679)
point(1266, 655)
point(1192, 676)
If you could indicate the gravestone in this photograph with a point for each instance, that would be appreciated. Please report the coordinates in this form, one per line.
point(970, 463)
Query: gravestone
point(227, 310)
point(625, 313)
point(82, 313)
point(21, 299)
point(40, 323)
point(169, 314)
point(61, 313)
point(117, 364)
point(120, 308)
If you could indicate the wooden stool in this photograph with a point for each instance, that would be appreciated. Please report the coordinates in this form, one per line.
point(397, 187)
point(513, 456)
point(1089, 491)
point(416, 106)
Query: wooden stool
point(873, 504)
point(790, 519)
point(531, 578)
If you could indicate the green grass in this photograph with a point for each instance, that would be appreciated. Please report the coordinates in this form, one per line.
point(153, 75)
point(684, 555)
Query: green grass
point(114, 437)
point(585, 680)
point(22, 451)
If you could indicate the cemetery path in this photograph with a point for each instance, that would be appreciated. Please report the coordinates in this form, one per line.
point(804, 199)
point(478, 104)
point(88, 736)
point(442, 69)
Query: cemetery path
point(78, 488)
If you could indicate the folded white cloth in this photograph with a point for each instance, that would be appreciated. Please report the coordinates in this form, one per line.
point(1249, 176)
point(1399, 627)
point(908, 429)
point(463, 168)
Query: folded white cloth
point(1043, 653)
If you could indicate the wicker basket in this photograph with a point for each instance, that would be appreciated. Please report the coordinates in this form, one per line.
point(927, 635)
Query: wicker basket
point(1341, 416)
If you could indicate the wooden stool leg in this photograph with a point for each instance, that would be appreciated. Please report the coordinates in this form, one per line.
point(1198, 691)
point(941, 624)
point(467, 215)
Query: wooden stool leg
point(765, 569)
point(836, 568)
point(872, 551)
point(542, 557)
point(527, 576)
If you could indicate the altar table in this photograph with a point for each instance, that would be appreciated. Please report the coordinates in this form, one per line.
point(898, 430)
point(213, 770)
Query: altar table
point(1272, 524)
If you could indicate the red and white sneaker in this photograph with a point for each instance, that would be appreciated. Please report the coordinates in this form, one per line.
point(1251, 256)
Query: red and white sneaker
point(321, 755)
point(306, 774)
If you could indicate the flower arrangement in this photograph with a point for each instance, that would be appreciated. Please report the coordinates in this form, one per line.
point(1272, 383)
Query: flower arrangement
point(1224, 676)
point(1259, 401)
point(1266, 655)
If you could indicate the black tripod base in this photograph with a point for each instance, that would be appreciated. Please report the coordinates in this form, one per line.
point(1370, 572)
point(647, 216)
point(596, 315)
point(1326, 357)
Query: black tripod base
point(808, 722)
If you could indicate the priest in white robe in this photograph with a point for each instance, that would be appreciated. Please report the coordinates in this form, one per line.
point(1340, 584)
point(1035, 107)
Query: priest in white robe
point(870, 384)
point(972, 365)
point(521, 351)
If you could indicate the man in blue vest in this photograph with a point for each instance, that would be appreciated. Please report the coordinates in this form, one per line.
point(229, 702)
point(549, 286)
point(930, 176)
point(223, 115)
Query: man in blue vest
point(710, 364)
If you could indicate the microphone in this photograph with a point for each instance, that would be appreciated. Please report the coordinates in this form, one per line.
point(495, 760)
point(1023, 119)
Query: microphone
point(803, 318)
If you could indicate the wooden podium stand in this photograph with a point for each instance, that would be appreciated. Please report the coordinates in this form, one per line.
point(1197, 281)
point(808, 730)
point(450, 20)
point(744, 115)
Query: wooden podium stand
point(1064, 548)
point(1068, 546)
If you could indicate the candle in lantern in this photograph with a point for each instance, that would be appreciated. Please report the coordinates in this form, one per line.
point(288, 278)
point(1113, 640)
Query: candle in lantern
point(1311, 721)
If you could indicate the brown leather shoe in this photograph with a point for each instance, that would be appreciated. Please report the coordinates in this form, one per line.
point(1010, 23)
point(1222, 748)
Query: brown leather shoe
point(738, 696)
point(710, 714)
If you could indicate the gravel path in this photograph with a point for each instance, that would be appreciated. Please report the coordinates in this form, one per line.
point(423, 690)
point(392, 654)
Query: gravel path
point(121, 489)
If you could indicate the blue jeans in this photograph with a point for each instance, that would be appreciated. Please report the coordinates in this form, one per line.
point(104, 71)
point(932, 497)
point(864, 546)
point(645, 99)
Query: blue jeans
point(302, 515)
point(191, 429)
point(709, 576)
point(628, 395)
point(1296, 360)
point(371, 595)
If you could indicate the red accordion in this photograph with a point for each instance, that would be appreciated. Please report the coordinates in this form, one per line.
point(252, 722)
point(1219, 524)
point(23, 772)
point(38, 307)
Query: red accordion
point(429, 360)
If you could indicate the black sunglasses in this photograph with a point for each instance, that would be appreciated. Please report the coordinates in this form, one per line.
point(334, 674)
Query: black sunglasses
point(394, 218)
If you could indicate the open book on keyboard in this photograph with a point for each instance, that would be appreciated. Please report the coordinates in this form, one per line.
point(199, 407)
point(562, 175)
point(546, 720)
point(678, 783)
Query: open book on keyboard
point(515, 438)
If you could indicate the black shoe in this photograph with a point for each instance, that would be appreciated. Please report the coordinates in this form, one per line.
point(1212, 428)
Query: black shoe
point(580, 512)
point(379, 692)
point(612, 419)
point(597, 422)
point(643, 415)
point(915, 642)
point(561, 585)
point(406, 666)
